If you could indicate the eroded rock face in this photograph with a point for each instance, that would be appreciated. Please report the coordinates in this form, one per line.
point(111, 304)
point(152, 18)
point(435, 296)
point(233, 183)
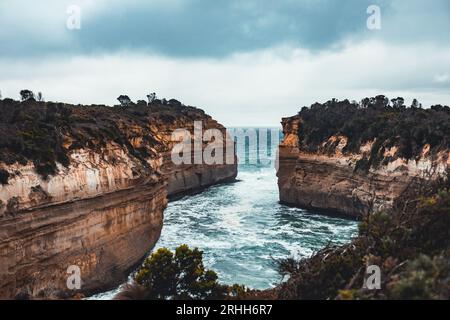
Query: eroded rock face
point(104, 236)
point(103, 211)
point(188, 178)
point(330, 181)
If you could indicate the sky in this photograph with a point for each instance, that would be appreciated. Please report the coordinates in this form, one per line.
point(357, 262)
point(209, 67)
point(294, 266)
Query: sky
point(245, 62)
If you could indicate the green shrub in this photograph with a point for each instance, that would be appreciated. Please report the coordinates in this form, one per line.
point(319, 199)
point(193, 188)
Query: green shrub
point(410, 244)
point(375, 119)
point(4, 176)
point(181, 275)
point(45, 133)
point(425, 278)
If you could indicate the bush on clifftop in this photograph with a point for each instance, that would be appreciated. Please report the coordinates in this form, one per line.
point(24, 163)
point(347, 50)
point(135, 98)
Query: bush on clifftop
point(4, 176)
point(376, 119)
point(45, 132)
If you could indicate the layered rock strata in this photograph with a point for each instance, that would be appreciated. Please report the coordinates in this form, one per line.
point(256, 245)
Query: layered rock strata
point(102, 210)
point(331, 181)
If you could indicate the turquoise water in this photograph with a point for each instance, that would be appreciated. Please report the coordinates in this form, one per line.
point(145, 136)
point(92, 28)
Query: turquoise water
point(242, 228)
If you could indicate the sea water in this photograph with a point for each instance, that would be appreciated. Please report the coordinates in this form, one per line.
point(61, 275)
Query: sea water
point(242, 228)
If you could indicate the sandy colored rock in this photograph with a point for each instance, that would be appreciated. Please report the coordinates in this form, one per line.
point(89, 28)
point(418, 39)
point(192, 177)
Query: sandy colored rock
point(329, 182)
point(102, 213)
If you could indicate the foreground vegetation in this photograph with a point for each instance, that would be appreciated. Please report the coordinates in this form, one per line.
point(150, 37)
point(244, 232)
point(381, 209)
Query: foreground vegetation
point(410, 244)
point(177, 276)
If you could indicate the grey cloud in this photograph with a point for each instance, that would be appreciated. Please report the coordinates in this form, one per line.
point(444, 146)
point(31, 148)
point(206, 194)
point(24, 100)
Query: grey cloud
point(203, 28)
point(218, 28)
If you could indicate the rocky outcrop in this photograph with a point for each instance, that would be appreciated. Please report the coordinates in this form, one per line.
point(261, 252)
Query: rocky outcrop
point(332, 180)
point(101, 209)
point(189, 178)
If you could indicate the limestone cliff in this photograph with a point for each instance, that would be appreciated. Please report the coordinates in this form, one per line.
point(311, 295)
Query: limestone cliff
point(344, 158)
point(87, 186)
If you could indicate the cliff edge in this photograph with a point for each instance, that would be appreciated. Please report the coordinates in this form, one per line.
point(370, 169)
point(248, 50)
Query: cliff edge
point(353, 159)
point(87, 186)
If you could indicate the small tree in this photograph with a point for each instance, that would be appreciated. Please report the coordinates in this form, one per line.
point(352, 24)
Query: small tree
point(381, 101)
point(416, 105)
point(141, 103)
point(26, 95)
point(182, 275)
point(175, 103)
point(124, 100)
point(365, 102)
point(151, 97)
point(398, 103)
point(40, 97)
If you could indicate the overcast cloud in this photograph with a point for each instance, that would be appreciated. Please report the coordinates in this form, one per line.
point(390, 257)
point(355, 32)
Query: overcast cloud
point(246, 62)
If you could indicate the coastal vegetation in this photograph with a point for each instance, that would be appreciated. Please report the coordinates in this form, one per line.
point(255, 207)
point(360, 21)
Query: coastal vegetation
point(378, 120)
point(46, 132)
point(180, 276)
point(410, 245)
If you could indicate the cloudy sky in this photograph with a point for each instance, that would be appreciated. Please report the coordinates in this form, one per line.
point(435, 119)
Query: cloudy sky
point(246, 62)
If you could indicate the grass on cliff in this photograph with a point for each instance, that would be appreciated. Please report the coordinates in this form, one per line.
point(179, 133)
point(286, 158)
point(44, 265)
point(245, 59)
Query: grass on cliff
point(409, 244)
point(388, 123)
point(46, 132)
